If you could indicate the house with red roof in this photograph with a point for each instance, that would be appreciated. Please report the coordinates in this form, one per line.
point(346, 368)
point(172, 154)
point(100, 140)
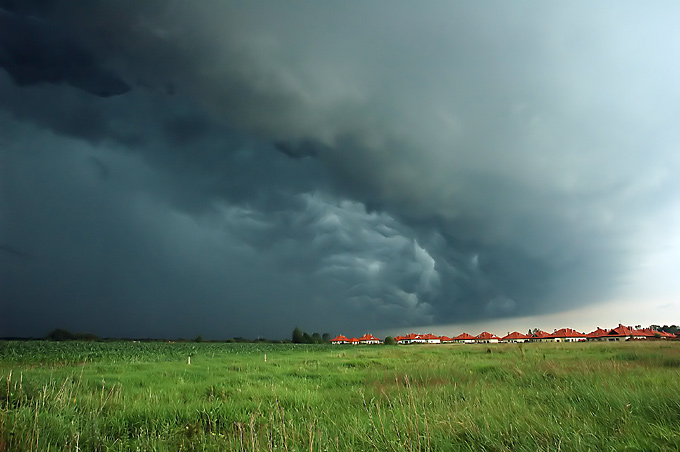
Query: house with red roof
point(514, 337)
point(464, 338)
point(568, 335)
point(649, 333)
point(598, 335)
point(445, 340)
point(353, 341)
point(666, 335)
point(368, 339)
point(339, 340)
point(624, 333)
point(432, 339)
point(654, 334)
point(541, 336)
point(411, 338)
point(486, 338)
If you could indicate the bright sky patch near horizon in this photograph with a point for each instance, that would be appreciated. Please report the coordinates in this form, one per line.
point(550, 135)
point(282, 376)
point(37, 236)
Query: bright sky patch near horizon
point(170, 168)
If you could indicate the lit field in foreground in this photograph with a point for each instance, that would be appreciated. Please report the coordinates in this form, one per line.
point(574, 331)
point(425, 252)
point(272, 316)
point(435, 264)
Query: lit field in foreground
point(533, 397)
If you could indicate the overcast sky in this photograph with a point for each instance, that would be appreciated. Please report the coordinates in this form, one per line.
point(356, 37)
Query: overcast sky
point(175, 168)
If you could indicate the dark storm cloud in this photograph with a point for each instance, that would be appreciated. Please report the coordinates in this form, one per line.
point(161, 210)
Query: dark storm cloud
point(298, 150)
point(33, 51)
point(121, 255)
point(352, 165)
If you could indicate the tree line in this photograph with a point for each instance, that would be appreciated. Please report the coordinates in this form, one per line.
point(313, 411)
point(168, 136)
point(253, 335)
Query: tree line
point(303, 337)
point(298, 337)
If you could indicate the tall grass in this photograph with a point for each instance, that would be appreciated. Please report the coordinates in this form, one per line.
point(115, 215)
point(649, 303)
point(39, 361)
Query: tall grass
point(533, 397)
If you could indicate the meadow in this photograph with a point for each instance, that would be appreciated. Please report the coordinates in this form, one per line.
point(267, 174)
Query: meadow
point(119, 396)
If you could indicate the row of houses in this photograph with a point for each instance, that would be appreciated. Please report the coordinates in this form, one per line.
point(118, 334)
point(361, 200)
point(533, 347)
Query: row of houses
point(365, 339)
point(620, 333)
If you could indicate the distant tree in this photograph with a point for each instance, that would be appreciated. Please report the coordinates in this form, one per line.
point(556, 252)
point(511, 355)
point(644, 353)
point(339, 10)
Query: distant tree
point(389, 340)
point(326, 337)
point(60, 334)
point(307, 339)
point(199, 338)
point(298, 336)
point(316, 338)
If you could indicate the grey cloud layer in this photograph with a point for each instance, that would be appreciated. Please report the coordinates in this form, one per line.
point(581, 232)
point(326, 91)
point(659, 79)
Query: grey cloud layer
point(32, 51)
point(398, 165)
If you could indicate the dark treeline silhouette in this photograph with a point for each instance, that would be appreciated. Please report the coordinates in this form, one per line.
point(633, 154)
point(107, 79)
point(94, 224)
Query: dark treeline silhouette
point(61, 334)
point(302, 337)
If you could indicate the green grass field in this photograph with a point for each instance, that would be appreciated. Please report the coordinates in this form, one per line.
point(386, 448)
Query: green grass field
point(91, 396)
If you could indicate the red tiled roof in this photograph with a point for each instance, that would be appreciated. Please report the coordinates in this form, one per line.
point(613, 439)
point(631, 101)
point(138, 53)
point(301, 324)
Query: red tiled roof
point(567, 332)
point(486, 336)
point(540, 334)
point(340, 338)
point(445, 339)
point(515, 335)
point(368, 337)
point(354, 339)
point(409, 337)
point(647, 332)
point(429, 336)
point(621, 330)
point(599, 332)
point(463, 337)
